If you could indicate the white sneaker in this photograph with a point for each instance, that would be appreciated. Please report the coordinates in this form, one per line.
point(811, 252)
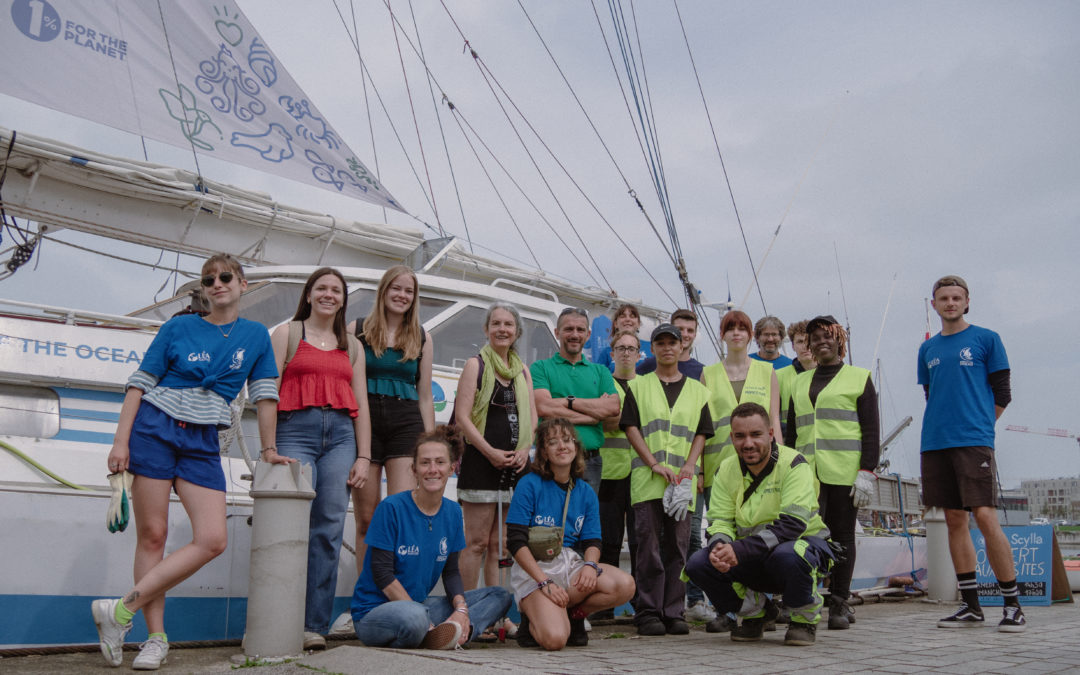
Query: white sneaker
point(699, 611)
point(110, 632)
point(588, 626)
point(152, 654)
point(314, 641)
point(343, 625)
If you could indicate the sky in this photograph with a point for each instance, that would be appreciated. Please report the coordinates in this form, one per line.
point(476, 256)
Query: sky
point(870, 147)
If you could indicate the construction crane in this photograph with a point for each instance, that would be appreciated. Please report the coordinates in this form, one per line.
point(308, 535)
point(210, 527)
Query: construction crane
point(1060, 433)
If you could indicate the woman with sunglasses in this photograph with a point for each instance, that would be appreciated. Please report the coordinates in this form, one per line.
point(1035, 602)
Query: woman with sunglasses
point(398, 357)
point(494, 408)
point(167, 436)
point(322, 421)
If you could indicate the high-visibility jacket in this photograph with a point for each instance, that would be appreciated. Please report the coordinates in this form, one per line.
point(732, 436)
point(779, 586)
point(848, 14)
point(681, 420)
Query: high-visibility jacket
point(788, 489)
point(756, 389)
point(616, 452)
point(785, 377)
point(828, 433)
point(668, 433)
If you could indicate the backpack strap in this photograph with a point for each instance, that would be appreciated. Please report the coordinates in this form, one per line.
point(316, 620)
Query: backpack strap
point(354, 348)
point(296, 329)
point(423, 339)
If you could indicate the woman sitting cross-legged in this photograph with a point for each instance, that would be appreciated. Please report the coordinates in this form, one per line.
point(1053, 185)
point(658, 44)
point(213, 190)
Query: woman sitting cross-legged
point(553, 511)
point(414, 538)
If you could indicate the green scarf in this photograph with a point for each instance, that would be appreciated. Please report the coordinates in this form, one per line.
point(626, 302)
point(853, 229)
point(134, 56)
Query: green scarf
point(493, 364)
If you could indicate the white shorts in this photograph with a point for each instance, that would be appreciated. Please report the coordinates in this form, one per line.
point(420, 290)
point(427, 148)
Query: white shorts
point(561, 570)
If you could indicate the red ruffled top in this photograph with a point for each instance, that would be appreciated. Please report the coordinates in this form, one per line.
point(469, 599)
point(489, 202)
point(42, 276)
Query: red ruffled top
point(316, 378)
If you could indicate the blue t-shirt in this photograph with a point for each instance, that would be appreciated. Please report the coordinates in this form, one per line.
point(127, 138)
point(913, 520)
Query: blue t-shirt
point(421, 545)
point(777, 363)
point(960, 409)
point(189, 351)
point(540, 502)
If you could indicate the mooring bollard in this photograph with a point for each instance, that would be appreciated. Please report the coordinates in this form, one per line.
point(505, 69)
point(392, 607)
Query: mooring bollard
point(278, 569)
point(940, 576)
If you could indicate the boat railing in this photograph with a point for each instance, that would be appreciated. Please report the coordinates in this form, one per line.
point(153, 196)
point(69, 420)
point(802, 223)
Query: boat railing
point(72, 316)
point(525, 288)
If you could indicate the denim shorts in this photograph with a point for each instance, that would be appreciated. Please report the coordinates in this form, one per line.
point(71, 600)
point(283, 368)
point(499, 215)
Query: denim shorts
point(164, 448)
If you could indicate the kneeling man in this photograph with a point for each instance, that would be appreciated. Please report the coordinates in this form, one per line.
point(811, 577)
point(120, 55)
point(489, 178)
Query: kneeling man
point(765, 534)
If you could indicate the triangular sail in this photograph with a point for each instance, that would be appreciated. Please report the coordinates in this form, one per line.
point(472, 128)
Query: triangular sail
point(112, 61)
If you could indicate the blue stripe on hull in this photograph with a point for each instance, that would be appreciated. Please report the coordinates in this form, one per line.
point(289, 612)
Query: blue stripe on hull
point(90, 394)
point(84, 436)
point(95, 415)
point(66, 619)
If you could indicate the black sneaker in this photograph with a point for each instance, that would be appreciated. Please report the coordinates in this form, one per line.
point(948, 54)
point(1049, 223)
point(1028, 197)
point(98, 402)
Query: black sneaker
point(579, 637)
point(524, 638)
point(750, 630)
point(965, 617)
point(651, 626)
point(721, 624)
point(1012, 620)
point(838, 618)
point(676, 627)
point(800, 634)
point(772, 612)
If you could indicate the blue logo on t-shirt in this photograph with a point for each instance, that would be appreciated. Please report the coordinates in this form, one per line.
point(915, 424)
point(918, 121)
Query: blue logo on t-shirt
point(411, 549)
point(579, 522)
point(36, 19)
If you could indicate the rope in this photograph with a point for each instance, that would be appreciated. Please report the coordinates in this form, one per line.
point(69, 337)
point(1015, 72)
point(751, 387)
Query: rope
point(26, 458)
point(416, 124)
point(442, 133)
point(716, 144)
point(179, 92)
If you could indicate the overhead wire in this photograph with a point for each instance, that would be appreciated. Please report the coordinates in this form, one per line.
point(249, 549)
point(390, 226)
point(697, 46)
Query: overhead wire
point(354, 38)
point(719, 154)
point(442, 133)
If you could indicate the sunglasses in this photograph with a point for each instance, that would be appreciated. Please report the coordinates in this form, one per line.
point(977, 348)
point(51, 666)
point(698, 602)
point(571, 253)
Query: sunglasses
point(208, 280)
point(574, 310)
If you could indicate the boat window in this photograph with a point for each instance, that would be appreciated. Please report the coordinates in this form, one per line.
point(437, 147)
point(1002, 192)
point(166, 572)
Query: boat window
point(272, 303)
point(462, 336)
point(29, 411)
point(362, 301)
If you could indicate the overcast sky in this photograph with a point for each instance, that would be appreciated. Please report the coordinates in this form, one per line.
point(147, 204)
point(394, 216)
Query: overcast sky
point(894, 141)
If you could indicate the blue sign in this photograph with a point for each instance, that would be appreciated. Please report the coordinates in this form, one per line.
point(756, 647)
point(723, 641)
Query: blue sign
point(1032, 549)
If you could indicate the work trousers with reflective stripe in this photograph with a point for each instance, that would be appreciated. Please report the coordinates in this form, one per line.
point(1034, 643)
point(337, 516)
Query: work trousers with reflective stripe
point(839, 514)
point(661, 556)
point(616, 517)
point(792, 568)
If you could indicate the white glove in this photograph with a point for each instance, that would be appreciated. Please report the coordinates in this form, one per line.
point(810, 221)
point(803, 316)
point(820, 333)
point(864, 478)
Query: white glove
point(863, 489)
point(677, 498)
point(120, 503)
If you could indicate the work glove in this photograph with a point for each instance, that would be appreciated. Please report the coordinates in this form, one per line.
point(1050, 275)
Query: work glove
point(120, 503)
point(863, 489)
point(677, 498)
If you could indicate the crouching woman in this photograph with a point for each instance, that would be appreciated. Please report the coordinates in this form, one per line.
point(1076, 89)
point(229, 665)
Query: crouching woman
point(414, 539)
point(552, 512)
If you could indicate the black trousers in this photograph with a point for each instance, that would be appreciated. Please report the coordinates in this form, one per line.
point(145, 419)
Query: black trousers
point(839, 515)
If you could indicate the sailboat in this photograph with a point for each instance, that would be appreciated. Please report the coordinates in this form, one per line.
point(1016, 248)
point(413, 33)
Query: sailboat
point(198, 76)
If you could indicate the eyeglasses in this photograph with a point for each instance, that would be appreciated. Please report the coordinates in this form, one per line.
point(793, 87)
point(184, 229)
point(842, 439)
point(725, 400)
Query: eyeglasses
point(626, 349)
point(208, 280)
point(574, 310)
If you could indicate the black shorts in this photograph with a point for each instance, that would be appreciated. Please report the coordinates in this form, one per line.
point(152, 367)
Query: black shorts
point(395, 425)
point(959, 478)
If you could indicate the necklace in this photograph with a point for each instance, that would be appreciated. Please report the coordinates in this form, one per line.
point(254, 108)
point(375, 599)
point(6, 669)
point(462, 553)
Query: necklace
point(225, 334)
point(430, 518)
point(322, 340)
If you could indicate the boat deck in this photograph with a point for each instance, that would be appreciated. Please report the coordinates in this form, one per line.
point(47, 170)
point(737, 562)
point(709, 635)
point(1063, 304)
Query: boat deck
point(889, 637)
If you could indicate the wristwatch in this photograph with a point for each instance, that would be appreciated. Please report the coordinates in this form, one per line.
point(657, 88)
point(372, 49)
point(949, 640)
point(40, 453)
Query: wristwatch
point(570, 402)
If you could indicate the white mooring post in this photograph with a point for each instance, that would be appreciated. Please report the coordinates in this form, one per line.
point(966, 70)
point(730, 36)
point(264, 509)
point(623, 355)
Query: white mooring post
point(941, 578)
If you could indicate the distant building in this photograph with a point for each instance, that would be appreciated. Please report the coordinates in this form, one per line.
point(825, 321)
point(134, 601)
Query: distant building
point(1016, 508)
point(1055, 498)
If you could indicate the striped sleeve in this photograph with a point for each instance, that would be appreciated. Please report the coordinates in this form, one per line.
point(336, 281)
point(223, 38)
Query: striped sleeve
point(265, 388)
point(141, 379)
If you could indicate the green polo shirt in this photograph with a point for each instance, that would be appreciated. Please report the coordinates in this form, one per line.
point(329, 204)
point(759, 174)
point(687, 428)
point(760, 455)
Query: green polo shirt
point(583, 379)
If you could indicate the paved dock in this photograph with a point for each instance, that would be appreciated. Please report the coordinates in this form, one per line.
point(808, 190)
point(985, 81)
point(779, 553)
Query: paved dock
point(890, 637)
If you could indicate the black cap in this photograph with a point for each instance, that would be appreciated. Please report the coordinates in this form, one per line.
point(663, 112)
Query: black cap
point(819, 321)
point(666, 329)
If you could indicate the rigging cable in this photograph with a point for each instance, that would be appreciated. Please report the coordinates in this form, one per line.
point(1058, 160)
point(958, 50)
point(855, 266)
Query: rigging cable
point(488, 78)
point(389, 119)
point(442, 133)
point(416, 124)
point(716, 144)
point(603, 144)
point(354, 38)
point(843, 299)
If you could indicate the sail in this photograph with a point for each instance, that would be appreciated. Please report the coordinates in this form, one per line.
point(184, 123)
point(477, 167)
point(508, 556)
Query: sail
point(193, 74)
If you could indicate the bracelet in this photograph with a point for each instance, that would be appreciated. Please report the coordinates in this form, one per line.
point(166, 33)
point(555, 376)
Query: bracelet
point(596, 568)
point(360, 458)
point(271, 447)
point(541, 585)
point(464, 609)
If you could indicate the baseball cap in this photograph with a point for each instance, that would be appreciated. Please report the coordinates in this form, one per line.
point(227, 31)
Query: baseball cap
point(820, 321)
point(665, 329)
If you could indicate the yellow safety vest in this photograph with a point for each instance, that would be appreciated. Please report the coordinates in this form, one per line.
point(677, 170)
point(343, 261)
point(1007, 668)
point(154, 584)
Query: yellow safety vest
point(789, 489)
point(616, 452)
point(668, 433)
point(756, 389)
point(785, 377)
point(829, 434)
